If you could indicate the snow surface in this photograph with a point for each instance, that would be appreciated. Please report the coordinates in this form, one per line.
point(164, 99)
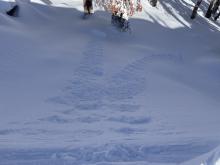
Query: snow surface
point(76, 91)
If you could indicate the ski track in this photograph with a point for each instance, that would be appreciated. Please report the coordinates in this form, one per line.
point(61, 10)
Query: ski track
point(95, 98)
point(86, 93)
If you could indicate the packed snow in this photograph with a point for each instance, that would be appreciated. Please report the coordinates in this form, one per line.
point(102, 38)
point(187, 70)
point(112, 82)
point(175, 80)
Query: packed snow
point(78, 91)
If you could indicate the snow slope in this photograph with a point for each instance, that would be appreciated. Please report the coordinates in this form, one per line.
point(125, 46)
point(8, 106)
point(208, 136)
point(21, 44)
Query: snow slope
point(76, 91)
point(211, 158)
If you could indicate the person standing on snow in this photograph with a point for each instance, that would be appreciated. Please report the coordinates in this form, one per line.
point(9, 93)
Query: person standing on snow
point(88, 7)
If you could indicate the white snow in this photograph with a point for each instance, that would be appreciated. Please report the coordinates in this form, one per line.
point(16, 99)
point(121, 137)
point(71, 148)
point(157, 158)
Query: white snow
point(217, 162)
point(76, 91)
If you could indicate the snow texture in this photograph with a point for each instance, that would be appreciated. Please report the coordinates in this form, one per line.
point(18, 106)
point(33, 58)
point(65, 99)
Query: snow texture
point(77, 91)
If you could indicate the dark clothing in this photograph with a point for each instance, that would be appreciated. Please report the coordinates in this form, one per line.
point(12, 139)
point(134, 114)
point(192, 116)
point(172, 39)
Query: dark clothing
point(88, 6)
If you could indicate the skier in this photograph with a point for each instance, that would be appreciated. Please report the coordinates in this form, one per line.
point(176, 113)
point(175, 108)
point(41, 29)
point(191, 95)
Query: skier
point(88, 7)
